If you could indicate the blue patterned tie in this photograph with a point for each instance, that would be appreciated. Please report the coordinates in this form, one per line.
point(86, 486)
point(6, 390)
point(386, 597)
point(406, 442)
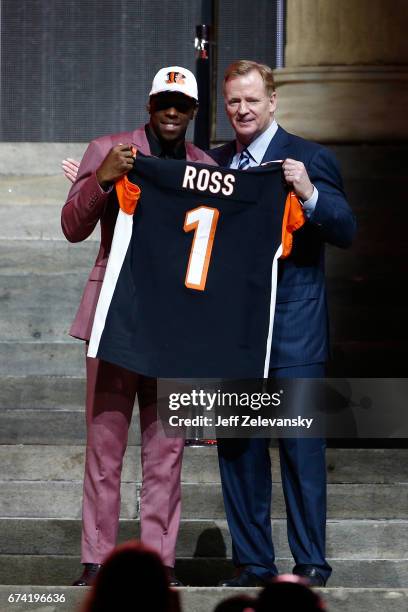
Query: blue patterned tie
point(244, 160)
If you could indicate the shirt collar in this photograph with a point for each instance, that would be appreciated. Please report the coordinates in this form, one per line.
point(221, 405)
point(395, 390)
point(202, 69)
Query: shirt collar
point(257, 148)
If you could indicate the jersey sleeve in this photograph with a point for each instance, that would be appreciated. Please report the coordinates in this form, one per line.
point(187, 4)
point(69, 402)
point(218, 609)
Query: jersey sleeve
point(128, 195)
point(127, 192)
point(293, 218)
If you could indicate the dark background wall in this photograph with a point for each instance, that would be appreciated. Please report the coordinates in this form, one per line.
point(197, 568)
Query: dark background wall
point(73, 70)
point(245, 30)
point(366, 283)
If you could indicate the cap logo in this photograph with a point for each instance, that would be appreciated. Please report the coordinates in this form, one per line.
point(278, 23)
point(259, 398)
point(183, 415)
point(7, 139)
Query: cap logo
point(176, 77)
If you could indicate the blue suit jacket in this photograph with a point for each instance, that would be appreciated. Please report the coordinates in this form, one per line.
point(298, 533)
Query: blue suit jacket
point(300, 333)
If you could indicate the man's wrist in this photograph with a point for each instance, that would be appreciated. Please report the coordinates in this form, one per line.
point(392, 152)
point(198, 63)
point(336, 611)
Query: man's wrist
point(310, 204)
point(308, 194)
point(103, 183)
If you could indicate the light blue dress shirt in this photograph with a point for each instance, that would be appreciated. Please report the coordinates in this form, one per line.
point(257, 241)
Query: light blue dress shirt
point(257, 150)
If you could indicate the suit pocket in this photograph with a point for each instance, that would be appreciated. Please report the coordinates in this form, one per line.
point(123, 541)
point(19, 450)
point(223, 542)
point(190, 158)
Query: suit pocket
point(295, 293)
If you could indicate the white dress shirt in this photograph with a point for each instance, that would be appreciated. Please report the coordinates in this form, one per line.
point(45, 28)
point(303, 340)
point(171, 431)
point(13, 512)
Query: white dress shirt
point(257, 149)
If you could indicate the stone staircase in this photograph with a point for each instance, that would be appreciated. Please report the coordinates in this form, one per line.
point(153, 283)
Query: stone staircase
point(42, 436)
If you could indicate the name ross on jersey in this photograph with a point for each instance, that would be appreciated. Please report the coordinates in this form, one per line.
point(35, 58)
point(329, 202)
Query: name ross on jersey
point(213, 181)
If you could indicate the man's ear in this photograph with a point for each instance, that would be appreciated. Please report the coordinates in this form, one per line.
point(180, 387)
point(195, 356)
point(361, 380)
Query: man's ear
point(273, 101)
point(195, 111)
point(148, 108)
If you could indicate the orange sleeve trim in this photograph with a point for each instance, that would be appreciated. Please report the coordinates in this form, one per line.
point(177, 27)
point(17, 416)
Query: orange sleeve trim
point(128, 193)
point(293, 218)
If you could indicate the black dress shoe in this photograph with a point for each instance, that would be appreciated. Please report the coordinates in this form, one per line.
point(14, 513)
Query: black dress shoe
point(172, 578)
point(245, 579)
point(311, 574)
point(89, 574)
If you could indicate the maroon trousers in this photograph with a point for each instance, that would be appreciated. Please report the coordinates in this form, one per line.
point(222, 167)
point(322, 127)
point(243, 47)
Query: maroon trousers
point(110, 396)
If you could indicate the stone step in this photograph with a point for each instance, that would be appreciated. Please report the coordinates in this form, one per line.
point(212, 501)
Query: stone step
point(27, 191)
point(62, 499)
point(204, 599)
point(346, 572)
point(346, 539)
point(47, 257)
point(337, 599)
point(37, 158)
point(36, 202)
point(66, 427)
point(62, 570)
point(39, 307)
point(34, 221)
point(50, 462)
point(42, 358)
point(42, 392)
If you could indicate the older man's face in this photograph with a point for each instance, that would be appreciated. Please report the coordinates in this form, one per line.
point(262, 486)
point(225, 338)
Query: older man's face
point(248, 106)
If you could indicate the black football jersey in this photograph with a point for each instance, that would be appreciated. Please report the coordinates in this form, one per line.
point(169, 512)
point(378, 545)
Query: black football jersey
point(190, 284)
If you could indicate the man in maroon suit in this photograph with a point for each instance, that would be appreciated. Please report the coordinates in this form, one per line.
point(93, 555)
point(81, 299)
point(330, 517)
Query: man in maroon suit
point(111, 390)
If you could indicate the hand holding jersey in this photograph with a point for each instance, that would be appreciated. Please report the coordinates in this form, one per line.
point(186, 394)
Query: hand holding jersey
point(116, 164)
point(296, 175)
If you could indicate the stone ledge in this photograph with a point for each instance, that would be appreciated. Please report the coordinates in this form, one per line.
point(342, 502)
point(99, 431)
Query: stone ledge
point(344, 104)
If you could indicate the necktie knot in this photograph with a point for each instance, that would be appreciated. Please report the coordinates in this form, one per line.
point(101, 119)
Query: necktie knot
point(244, 160)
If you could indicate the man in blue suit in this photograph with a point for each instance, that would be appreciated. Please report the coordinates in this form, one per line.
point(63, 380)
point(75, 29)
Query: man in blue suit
point(300, 337)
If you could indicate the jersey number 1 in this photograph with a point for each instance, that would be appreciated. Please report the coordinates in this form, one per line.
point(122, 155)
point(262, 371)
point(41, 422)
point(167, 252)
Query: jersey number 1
point(203, 220)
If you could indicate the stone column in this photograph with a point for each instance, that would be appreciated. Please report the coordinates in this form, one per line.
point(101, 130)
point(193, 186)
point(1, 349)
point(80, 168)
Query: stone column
point(346, 74)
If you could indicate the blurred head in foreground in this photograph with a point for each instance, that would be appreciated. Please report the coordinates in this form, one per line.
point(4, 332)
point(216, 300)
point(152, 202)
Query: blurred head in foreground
point(289, 592)
point(132, 578)
point(237, 603)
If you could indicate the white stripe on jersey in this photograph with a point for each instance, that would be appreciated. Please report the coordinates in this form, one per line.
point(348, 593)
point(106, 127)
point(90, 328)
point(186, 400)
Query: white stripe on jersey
point(120, 244)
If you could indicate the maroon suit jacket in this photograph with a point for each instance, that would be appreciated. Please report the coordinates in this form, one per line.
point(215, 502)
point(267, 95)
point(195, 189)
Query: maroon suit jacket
point(87, 204)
